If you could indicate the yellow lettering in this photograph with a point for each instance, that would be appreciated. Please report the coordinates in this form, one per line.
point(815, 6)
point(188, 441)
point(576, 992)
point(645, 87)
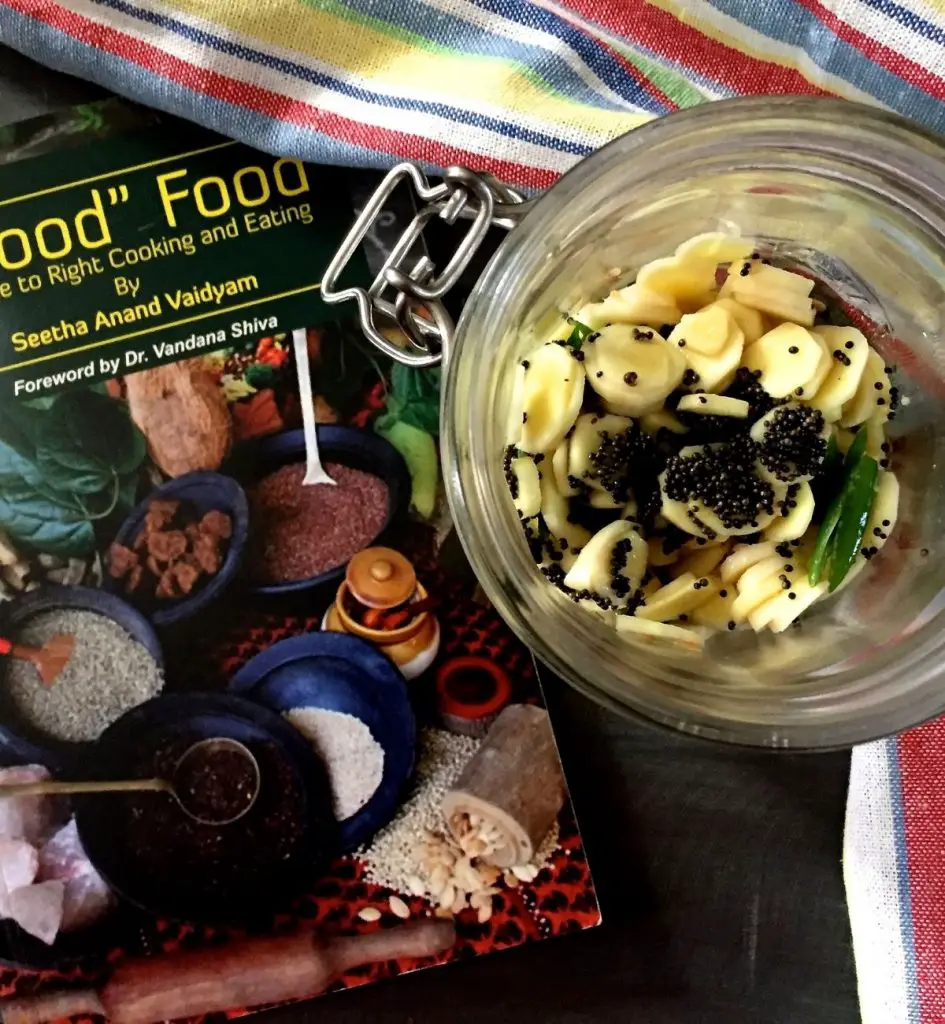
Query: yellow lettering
point(264, 190)
point(6, 260)
point(167, 198)
point(96, 213)
point(65, 330)
point(65, 240)
point(281, 185)
point(204, 209)
point(6, 290)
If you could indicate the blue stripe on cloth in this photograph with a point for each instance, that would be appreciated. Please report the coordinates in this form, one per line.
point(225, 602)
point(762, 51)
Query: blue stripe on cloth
point(451, 32)
point(696, 79)
point(790, 23)
point(910, 19)
point(64, 52)
point(902, 880)
point(595, 53)
point(306, 74)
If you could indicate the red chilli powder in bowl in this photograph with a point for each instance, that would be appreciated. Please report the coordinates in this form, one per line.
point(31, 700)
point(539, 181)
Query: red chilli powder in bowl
point(302, 531)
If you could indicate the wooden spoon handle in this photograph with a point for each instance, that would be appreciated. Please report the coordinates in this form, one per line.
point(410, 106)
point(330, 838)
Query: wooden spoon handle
point(51, 1006)
point(51, 788)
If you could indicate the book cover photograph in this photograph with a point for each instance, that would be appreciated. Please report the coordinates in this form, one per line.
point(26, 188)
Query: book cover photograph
point(262, 735)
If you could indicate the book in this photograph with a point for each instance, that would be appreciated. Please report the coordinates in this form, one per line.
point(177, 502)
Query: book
point(353, 773)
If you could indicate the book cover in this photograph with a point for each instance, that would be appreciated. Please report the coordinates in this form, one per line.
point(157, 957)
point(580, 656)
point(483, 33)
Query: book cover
point(229, 580)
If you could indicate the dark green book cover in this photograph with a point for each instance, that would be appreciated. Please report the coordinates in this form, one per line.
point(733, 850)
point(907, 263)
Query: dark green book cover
point(170, 574)
point(130, 248)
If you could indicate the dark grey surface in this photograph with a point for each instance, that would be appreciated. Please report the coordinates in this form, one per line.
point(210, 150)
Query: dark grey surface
point(718, 870)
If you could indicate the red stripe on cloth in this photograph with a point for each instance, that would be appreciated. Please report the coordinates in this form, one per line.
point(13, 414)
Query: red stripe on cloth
point(638, 21)
point(272, 104)
point(871, 48)
point(922, 768)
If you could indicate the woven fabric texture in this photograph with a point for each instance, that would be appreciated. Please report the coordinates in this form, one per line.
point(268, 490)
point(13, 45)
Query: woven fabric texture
point(526, 88)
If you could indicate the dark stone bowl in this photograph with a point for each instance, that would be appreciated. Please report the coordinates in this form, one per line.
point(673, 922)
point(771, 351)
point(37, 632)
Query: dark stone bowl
point(180, 896)
point(23, 744)
point(342, 673)
point(206, 492)
point(19, 744)
point(348, 446)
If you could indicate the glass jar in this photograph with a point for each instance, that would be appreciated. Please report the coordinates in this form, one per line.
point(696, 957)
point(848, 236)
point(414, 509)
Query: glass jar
point(858, 197)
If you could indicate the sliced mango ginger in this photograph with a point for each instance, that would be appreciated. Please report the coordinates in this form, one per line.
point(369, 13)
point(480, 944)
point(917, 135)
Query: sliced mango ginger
point(659, 632)
point(552, 393)
point(849, 350)
point(611, 565)
point(678, 598)
point(772, 403)
point(871, 395)
point(632, 368)
point(705, 332)
point(787, 357)
point(525, 483)
point(632, 305)
point(776, 292)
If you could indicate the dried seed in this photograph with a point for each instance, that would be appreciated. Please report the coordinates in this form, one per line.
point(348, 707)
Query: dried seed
point(438, 880)
point(459, 904)
point(447, 896)
point(446, 856)
point(370, 914)
point(415, 886)
point(444, 913)
point(525, 872)
point(489, 873)
point(399, 908)
point(466, 876)
point(510, 880)
point(485, 913)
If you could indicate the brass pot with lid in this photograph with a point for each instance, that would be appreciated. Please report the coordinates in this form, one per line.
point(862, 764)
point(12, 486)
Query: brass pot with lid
point(374, 602)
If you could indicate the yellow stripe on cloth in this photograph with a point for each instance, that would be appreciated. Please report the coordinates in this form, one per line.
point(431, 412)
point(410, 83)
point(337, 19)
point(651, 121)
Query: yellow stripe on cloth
point(386, 62)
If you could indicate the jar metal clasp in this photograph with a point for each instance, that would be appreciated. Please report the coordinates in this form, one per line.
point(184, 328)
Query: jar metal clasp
point(416, 291)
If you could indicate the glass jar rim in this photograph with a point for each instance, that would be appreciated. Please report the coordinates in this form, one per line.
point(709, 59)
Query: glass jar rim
point(900, 162)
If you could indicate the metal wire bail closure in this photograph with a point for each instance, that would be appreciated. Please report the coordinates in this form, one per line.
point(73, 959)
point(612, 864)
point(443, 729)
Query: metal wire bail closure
point(418, 290)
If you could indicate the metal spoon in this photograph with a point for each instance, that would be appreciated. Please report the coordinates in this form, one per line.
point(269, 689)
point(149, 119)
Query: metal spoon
point(314, 470)
point(52, 788)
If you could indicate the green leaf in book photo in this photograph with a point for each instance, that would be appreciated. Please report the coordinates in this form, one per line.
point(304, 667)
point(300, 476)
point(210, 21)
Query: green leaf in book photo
point(415, 397)
point(64, 467)
point(33, 519)
point(85, 439)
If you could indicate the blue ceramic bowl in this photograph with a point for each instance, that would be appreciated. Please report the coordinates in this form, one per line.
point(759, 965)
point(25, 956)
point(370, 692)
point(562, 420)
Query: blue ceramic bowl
point(21, 744)
point(348, 446)
point(205, 492)
point(339, 672)
point(173, 718)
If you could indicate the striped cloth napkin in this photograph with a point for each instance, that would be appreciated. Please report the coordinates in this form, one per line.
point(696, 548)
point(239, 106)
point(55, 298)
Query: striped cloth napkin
point(535, 84)
point(525, 88)
point(894, 870)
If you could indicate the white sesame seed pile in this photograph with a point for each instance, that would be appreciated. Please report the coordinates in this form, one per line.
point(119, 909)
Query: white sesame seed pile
point(352, 757)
